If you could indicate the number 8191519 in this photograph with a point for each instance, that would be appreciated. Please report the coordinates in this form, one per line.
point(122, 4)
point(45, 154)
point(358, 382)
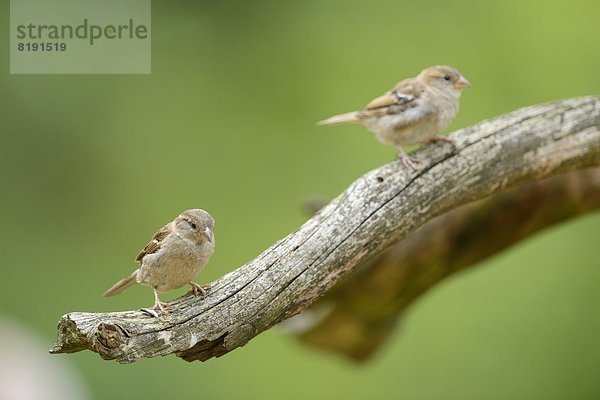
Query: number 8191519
point(43, 46)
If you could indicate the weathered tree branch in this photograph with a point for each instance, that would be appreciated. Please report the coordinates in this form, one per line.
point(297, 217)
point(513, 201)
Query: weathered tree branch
point(357, 317)
point(377, 210)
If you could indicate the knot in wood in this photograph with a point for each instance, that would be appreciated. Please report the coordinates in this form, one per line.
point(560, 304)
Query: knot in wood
point(108, 335)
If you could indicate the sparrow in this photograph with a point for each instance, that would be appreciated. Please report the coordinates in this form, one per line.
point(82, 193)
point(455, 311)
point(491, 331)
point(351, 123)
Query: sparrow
point(174, 256)
point(414, 111)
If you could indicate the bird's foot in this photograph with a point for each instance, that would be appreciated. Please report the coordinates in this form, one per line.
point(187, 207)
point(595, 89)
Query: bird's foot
point(162, 308)
point(408, 161)
point(150, 311)
point(157, 310)
point(199, 290)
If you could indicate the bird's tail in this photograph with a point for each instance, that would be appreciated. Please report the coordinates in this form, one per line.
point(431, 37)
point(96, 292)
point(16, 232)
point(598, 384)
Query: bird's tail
point(122, 285)
point(350, 118)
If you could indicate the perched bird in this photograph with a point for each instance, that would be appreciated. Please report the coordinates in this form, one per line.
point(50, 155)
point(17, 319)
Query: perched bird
point(174, 256)
point(414, 111)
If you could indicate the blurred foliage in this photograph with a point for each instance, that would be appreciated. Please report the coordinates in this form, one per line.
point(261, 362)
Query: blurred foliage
point(91, 166)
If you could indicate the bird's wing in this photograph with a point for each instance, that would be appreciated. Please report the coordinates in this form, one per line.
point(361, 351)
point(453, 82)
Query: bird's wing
point(154, 244)
point(406, 95)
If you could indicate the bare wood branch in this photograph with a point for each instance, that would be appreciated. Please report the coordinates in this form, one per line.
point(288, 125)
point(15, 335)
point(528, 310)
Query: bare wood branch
point(377, 210)
point(357, 317)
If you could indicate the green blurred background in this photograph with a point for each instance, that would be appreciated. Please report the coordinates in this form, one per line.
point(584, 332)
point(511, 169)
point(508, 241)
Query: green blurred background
point(91, 166)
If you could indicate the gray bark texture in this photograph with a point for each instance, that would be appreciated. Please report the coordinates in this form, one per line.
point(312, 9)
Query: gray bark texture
point(378, 210)
point(359, 315)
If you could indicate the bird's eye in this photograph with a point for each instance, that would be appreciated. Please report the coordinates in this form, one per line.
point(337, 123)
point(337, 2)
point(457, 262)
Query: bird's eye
point(447, 77)
point(193, 225)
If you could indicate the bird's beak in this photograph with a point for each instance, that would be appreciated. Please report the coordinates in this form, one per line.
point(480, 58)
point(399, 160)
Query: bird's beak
point(209, 234)
point(462, 83)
